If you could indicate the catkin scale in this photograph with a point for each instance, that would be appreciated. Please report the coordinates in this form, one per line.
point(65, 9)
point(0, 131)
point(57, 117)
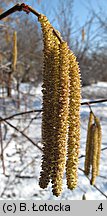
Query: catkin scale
point(74, 123)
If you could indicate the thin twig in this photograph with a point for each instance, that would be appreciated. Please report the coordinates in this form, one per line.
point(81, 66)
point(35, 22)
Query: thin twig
point(27, 9)
point(94, 102)
point(10, 11)
point(40, 110)
point(104, 177)
point(25, 177)
point(28, 138)
point(104, 149)
point(8, 143)
point(82, 189)
point(30, 163)
point(21, 113)
point(31, 120)
point(94, 184)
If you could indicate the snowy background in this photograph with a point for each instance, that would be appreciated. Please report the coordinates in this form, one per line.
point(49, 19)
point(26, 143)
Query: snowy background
point(22, 159)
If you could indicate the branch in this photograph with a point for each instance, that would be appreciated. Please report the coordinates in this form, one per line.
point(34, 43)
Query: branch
point(28, 138)
point(94, 102)
point(27, 9)
point(21, 113)
point(94, 185)
point(17, 7)
point(104, 149)
point(24, 176)
point(40, 110)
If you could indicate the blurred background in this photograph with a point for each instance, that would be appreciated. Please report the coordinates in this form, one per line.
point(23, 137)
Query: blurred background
point(83, 24)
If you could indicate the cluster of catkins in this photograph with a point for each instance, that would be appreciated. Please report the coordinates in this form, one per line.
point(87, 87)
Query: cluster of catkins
point(61, 111)
point(93, 147)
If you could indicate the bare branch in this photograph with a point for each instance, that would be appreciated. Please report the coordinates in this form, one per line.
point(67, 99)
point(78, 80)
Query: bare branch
point(27, 9)
point(95, 185)
point(93, 102)
point(21, 113)
point(28, 138)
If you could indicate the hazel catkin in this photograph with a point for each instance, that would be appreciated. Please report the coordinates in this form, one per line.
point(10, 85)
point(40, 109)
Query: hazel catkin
point(93, 147)
point(74, 123)
point(89, 144)
point(94, 156)
point(47, 115)
point(61, 111)
point(62, 121)
point(97, 122)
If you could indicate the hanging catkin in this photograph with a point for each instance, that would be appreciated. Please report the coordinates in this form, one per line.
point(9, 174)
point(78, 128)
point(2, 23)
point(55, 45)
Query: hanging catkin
point(97, 121)
point(47, 116)
point(93, 147)
point(61, 101)
point(74, 122)
point(89, 144)
point(61, 138)
point(94, 156)
point(14, 51)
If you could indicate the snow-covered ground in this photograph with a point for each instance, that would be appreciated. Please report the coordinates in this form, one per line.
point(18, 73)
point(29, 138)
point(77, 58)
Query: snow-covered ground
point(22, 159)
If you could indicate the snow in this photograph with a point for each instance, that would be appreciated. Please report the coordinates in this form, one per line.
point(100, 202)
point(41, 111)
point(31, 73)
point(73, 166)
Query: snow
point(23, 160)
point(96, 90)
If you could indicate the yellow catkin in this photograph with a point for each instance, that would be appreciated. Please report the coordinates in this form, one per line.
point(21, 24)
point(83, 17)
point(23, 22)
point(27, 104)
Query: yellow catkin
point(47, 123)
point(88, 145)
point(97, 121)
point(61, 111)
point(74, 123)
point(61, 138)
point(14, 63)
point(95, 152)
point(55, 102)
point(50, 99)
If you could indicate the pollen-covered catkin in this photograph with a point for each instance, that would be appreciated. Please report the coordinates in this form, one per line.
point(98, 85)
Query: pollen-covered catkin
point(95, 152)
point(61, 138)
point(61, 111)
point(55, 102)
point(97, 121)
point(89, 144)
point(48, 91)
point(74, 123)
point(14, 51)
